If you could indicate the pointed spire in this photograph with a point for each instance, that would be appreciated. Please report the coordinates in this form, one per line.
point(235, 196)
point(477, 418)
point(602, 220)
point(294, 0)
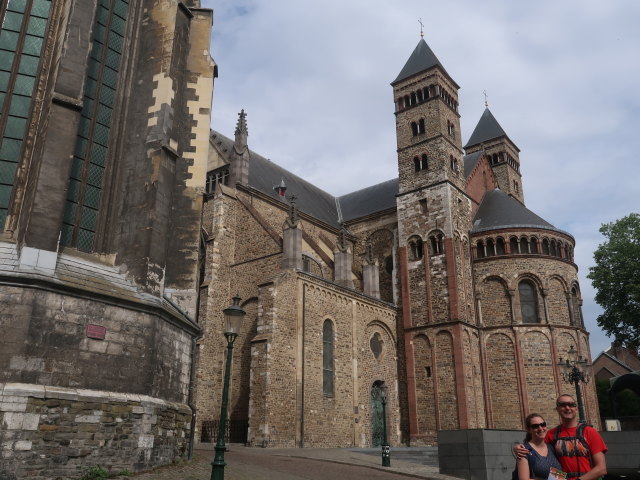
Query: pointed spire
point(487, 128)
point(420, 60)
point(240, 144)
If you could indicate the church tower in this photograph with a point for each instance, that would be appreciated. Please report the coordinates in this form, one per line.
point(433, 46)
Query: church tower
point(501, 152)
point(434, 218)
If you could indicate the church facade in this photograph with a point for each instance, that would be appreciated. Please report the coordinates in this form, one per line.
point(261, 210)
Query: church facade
point(440, 286)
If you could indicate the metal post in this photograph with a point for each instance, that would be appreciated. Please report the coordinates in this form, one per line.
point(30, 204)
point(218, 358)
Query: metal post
point(577, 375)
point(386, 453)
point(218, 463)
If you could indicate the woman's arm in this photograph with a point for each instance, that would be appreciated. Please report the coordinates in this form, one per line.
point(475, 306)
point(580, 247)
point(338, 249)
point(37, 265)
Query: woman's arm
point(522, 465)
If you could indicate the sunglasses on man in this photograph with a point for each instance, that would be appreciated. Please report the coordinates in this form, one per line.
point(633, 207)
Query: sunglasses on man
point(566, 404)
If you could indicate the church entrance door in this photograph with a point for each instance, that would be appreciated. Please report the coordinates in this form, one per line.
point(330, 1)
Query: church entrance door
point(376, 414)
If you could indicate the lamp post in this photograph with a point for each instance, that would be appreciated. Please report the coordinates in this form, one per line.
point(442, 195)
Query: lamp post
point(386, 453)
point(233, 316)
point(574, 371)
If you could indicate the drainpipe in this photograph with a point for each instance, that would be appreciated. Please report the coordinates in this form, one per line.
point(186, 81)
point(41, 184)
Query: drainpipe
point(192, 374)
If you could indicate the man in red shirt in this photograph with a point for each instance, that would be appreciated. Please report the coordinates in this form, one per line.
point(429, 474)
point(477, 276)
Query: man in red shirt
point(581, 456)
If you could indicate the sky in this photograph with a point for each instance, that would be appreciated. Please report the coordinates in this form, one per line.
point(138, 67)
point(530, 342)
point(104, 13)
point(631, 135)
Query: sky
point(562, 78)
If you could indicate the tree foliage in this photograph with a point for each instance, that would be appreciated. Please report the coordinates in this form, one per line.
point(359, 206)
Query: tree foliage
point(616, 278)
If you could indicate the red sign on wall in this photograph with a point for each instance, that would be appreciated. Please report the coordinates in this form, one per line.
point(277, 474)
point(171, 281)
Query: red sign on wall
point(96, 331)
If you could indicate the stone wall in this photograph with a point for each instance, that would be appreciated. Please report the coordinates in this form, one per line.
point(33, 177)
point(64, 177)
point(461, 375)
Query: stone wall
point(52, 432)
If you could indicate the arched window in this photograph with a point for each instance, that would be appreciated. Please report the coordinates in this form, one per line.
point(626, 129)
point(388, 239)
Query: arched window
point(415, 248)
point(545, 246)
point(528, 303)
point(414, 128)
point(424, 165)
point(491, 252)
point(437, 244)
point(421, 125)
point(513, 245)
point(577, 308)
point(327, 358)
point(413, 98)
point(416, 163)
point(500, 246)
point(534, 245)
point(406, 101)
point(553, 250)
point(426, 92)
point(480, 249)
point(419, 94)
point(524, 245)
point(453, 163)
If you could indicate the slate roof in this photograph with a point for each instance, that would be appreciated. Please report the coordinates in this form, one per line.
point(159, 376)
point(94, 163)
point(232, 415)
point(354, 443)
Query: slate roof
point(470, 161)
point(264, 175)
point(487, 128)
point(499, 210)
point(420, 60)
point(368, 200)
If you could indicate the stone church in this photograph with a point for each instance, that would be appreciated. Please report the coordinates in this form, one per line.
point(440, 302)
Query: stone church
point(126, 226)
point(440, 285)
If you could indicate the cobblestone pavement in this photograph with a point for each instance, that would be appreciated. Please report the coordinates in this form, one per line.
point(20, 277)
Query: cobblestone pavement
point(245, 463)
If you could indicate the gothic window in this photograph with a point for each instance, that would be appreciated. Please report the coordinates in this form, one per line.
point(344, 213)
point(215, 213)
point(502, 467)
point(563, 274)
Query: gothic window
point(528, 303)
point(376, 345)
point(414, 128)
point(500, 246)
point(327, 358)
point(415, 248)
point(80, 220)
point(424, 162)
point(22, 34)
point(421, 126)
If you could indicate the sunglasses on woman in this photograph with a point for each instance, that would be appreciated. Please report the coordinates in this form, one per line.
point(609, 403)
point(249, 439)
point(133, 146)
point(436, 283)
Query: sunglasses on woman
point(535, 426)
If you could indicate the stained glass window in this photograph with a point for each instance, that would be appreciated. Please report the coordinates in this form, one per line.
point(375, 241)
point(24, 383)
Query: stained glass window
point(22, 35)
point(92, 143)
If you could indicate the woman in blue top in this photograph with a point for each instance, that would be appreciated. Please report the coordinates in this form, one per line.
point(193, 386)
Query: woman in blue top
point(541, 456)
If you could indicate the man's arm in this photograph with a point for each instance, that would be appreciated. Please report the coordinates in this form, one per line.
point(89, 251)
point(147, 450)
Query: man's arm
point(599, 467)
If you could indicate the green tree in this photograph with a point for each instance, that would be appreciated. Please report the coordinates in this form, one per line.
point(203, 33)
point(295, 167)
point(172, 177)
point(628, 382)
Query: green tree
point(616, 278)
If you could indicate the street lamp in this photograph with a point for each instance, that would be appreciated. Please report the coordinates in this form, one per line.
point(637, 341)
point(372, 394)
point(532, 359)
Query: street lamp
point(386, 453)
point(233, 316)
point(574, 371)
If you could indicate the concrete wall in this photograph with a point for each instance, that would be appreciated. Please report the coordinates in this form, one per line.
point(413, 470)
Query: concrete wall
point(486, 454)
